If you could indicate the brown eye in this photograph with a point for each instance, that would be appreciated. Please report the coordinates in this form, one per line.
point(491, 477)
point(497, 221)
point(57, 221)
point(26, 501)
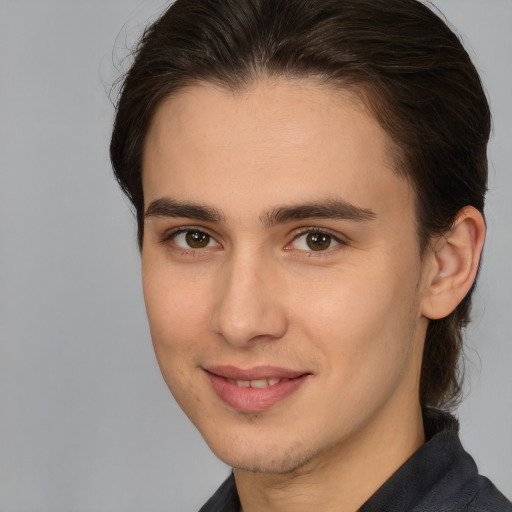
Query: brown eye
point(318, 241)
point(197, 239)
point(315, 241)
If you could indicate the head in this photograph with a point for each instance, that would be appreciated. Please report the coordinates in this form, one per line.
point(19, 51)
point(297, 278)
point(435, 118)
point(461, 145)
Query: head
point(396, 60)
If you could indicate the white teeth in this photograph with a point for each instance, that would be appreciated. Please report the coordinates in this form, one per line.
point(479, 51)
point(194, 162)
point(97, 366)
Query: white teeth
point(263, 383)
point(260, 383)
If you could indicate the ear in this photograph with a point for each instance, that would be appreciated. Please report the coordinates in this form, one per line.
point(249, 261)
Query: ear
point(454, 259)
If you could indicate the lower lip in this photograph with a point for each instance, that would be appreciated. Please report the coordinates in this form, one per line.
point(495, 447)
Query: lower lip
point(253, 399)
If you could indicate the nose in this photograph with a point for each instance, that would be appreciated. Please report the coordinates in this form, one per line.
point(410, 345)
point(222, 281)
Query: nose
point(248, 305)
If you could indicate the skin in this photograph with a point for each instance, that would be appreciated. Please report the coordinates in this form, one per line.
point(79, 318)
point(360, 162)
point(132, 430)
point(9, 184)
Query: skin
point(352, 315)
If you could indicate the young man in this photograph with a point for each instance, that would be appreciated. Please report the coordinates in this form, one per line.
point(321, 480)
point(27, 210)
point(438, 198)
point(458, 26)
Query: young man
point(309, 179)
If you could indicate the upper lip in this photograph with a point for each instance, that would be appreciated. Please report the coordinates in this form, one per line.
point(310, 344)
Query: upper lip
point(254, 373)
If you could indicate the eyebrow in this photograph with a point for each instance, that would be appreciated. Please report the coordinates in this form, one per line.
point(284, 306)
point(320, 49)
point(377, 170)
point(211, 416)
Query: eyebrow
point(167, 207)
point(331, 209)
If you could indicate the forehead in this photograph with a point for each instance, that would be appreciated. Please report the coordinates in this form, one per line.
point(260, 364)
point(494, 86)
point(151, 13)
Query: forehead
point(273, 142)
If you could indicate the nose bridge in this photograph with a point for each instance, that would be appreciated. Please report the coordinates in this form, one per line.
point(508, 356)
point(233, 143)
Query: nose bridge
point(247, 305)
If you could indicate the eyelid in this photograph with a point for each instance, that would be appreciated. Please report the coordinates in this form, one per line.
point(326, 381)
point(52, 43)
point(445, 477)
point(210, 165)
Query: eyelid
point(169, 234)
point(337, 237)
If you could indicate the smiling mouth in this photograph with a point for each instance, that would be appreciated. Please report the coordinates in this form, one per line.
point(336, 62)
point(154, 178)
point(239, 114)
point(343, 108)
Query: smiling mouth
point(256, 389)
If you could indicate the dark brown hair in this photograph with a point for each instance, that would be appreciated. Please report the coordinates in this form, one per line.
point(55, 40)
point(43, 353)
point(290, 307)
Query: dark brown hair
point(408, 67)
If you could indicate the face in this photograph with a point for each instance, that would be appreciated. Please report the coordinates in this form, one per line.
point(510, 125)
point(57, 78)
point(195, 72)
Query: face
point(281, 271)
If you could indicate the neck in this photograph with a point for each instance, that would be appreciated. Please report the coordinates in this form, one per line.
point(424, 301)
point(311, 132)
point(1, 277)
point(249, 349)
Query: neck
point(345, 476)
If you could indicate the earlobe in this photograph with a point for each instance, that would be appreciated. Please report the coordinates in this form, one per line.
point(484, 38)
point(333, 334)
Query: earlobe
point(454, 264)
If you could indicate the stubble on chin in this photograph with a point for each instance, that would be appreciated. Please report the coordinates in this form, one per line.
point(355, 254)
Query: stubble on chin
point(294, 459)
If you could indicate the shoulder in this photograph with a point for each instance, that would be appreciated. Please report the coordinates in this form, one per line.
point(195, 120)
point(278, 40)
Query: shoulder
point(488, 499)
point(440, 477)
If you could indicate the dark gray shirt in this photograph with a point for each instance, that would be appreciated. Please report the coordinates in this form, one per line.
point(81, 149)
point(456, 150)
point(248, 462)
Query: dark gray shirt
point(439, 477)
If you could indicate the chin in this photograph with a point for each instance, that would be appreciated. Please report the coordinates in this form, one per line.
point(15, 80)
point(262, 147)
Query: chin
point(268, 459)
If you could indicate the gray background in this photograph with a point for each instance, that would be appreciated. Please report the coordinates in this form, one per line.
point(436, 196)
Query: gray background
point(86, 422)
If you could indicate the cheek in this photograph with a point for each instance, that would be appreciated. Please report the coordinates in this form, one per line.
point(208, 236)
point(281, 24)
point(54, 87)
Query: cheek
point(176, 306)
point(363, 318)
point(364, 334)
point(177, 322)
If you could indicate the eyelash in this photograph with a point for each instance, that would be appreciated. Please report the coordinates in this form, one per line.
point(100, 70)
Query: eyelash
point(168, 239)
point(312, 231)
